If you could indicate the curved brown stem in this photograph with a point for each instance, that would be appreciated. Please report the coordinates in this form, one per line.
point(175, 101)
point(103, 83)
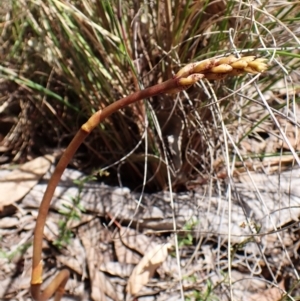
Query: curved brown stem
point(188, 75)
point(58, 283)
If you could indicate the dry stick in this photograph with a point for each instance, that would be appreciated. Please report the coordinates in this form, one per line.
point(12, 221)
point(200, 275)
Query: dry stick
point(188, 75)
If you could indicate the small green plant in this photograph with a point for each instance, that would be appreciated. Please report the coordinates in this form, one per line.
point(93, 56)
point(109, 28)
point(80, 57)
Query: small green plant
point(186, 239)
point(207, 295)
point(71, 213)
point(65, 234)
point(19, 250)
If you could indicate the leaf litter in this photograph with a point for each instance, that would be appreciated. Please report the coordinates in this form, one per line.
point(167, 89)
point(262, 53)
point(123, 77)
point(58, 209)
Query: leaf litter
point(100, 256)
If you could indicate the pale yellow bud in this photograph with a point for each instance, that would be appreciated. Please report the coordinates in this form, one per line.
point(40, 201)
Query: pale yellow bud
point(204, 65)
point(250, 70)
point(185, 82)
point(191, 79)
point(224, 68)
point(248, 59)
point(258, 65)
point(240, 64)
point(227, 60)
point(186, 70)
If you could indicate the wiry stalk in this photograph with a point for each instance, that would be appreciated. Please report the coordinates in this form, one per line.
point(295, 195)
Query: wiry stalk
point(187, 76)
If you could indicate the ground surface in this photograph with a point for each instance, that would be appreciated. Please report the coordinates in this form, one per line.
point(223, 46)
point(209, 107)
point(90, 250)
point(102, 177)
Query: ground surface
point(113, 234)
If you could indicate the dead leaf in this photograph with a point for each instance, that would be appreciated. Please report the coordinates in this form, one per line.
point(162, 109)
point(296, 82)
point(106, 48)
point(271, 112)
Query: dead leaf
point(124, 254)
point(135, 240)
point(9, 222)
point(271, 294)
point(146, 267)
point(97, 286)
point(74, 257)
point(117, 269)
point(100, 284)
point(19, 182)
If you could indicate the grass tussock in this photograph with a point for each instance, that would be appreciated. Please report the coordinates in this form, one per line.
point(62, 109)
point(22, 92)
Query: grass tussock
point(61, 61)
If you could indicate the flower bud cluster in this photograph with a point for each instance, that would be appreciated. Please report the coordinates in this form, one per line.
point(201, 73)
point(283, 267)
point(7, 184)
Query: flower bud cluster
point(219, 68)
